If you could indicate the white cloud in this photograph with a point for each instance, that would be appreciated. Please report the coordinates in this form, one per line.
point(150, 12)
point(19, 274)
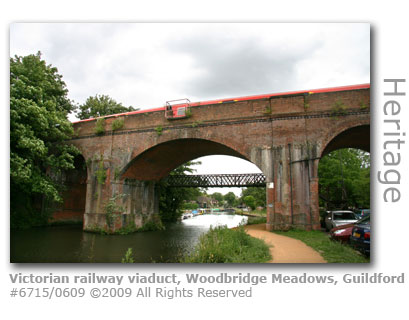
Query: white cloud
point(146, 64)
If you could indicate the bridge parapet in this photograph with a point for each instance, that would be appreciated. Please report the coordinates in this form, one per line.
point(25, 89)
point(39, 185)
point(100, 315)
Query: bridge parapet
point(279, 106)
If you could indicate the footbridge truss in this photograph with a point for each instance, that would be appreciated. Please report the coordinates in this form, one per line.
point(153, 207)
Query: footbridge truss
point(216, 180)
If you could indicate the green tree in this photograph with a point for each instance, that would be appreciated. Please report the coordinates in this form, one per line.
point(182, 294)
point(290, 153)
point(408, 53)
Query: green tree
point(219, 197)
point(171, 199)
point(39, 107)
point(249, 201)
point(231, 199)
point(344, 179)
point(258, 193)
point(101, 105)
point(190, 206)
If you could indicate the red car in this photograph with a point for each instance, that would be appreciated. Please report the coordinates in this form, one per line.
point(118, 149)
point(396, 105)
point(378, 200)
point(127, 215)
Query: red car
point(344, 232)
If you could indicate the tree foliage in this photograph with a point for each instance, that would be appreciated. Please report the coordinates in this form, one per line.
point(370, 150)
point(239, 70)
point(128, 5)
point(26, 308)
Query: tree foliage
point(249, 201)
point(231, 199)
point(171, 199)
point(218, 196)
point(38, 124)
point(258, 193)
point(344, 179)
point(101, 105)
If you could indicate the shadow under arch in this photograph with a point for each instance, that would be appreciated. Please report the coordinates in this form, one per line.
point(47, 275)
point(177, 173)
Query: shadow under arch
point(158, 161)
point(356, 137)
point(74, 182)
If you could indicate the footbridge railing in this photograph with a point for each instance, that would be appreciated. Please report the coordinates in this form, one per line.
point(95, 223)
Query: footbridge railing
point(216, 180)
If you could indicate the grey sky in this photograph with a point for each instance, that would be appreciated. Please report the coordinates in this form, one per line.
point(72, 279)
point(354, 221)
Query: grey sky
point(144, 65)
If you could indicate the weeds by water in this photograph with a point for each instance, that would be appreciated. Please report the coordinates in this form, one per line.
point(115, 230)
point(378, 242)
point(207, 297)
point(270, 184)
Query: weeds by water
point(223, 245)
point(128, 257)
point(152, 225)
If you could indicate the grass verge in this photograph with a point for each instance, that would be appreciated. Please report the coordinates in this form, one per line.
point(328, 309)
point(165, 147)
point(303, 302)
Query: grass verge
point(332, 251)
point(223, 245)
point(256, 220)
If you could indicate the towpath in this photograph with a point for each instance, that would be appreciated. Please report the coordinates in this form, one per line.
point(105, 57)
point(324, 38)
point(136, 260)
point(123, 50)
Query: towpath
point(284, 249)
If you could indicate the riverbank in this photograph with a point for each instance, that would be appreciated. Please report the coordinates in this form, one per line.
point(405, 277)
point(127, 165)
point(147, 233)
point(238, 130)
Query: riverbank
point(254, 213)
point(224, 245)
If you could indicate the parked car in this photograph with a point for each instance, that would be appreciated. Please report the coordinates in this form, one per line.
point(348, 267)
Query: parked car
point(360, 213)
point(338, 218)
point(343, 233)
point(361, 236)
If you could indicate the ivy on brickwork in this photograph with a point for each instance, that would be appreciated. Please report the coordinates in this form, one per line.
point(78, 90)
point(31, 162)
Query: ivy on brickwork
point(101, 173)
point(99, 126)
point(188, 113)
point(159, 130)
point(363, 105)
point(306, 103)
point(339, 108)
point(112, 209)
point(196, 123)
point(268, 110)
point(117, 124)
point(117, 173)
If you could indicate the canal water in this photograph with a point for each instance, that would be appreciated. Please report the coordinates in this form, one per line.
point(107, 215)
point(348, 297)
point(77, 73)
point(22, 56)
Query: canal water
point(64, 244)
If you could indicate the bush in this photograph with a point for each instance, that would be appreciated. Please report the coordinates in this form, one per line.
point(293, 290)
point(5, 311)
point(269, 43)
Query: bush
point(223, 245)
point(159, 130)
point(152, 225)
point(190, 206)
point(100, 126)
point(117, 124)
point(25, 215)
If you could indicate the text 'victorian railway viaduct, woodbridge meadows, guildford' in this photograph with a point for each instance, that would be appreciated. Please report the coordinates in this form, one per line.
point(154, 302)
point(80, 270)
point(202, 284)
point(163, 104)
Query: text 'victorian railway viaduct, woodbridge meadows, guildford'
point(283, 134)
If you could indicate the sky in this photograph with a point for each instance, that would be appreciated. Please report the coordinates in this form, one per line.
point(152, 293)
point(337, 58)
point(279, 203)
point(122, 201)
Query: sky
point(146, 64)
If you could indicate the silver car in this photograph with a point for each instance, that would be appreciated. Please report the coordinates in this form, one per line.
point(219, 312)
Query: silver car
point(338, 218)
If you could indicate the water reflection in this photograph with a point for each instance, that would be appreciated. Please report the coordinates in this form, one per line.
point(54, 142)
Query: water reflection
point(71, 244)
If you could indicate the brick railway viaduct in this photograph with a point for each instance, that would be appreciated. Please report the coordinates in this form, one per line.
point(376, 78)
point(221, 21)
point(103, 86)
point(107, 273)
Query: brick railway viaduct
point(284, 135)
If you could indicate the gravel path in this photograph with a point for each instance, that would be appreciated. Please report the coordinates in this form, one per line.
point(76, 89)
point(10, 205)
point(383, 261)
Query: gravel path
point(285, 249)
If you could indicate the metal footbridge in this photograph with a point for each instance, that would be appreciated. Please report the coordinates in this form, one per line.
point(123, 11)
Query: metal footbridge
point(216, 180)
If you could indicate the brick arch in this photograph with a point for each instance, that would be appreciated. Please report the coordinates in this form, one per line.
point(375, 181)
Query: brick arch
point(157, 161)
point(353, 137)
